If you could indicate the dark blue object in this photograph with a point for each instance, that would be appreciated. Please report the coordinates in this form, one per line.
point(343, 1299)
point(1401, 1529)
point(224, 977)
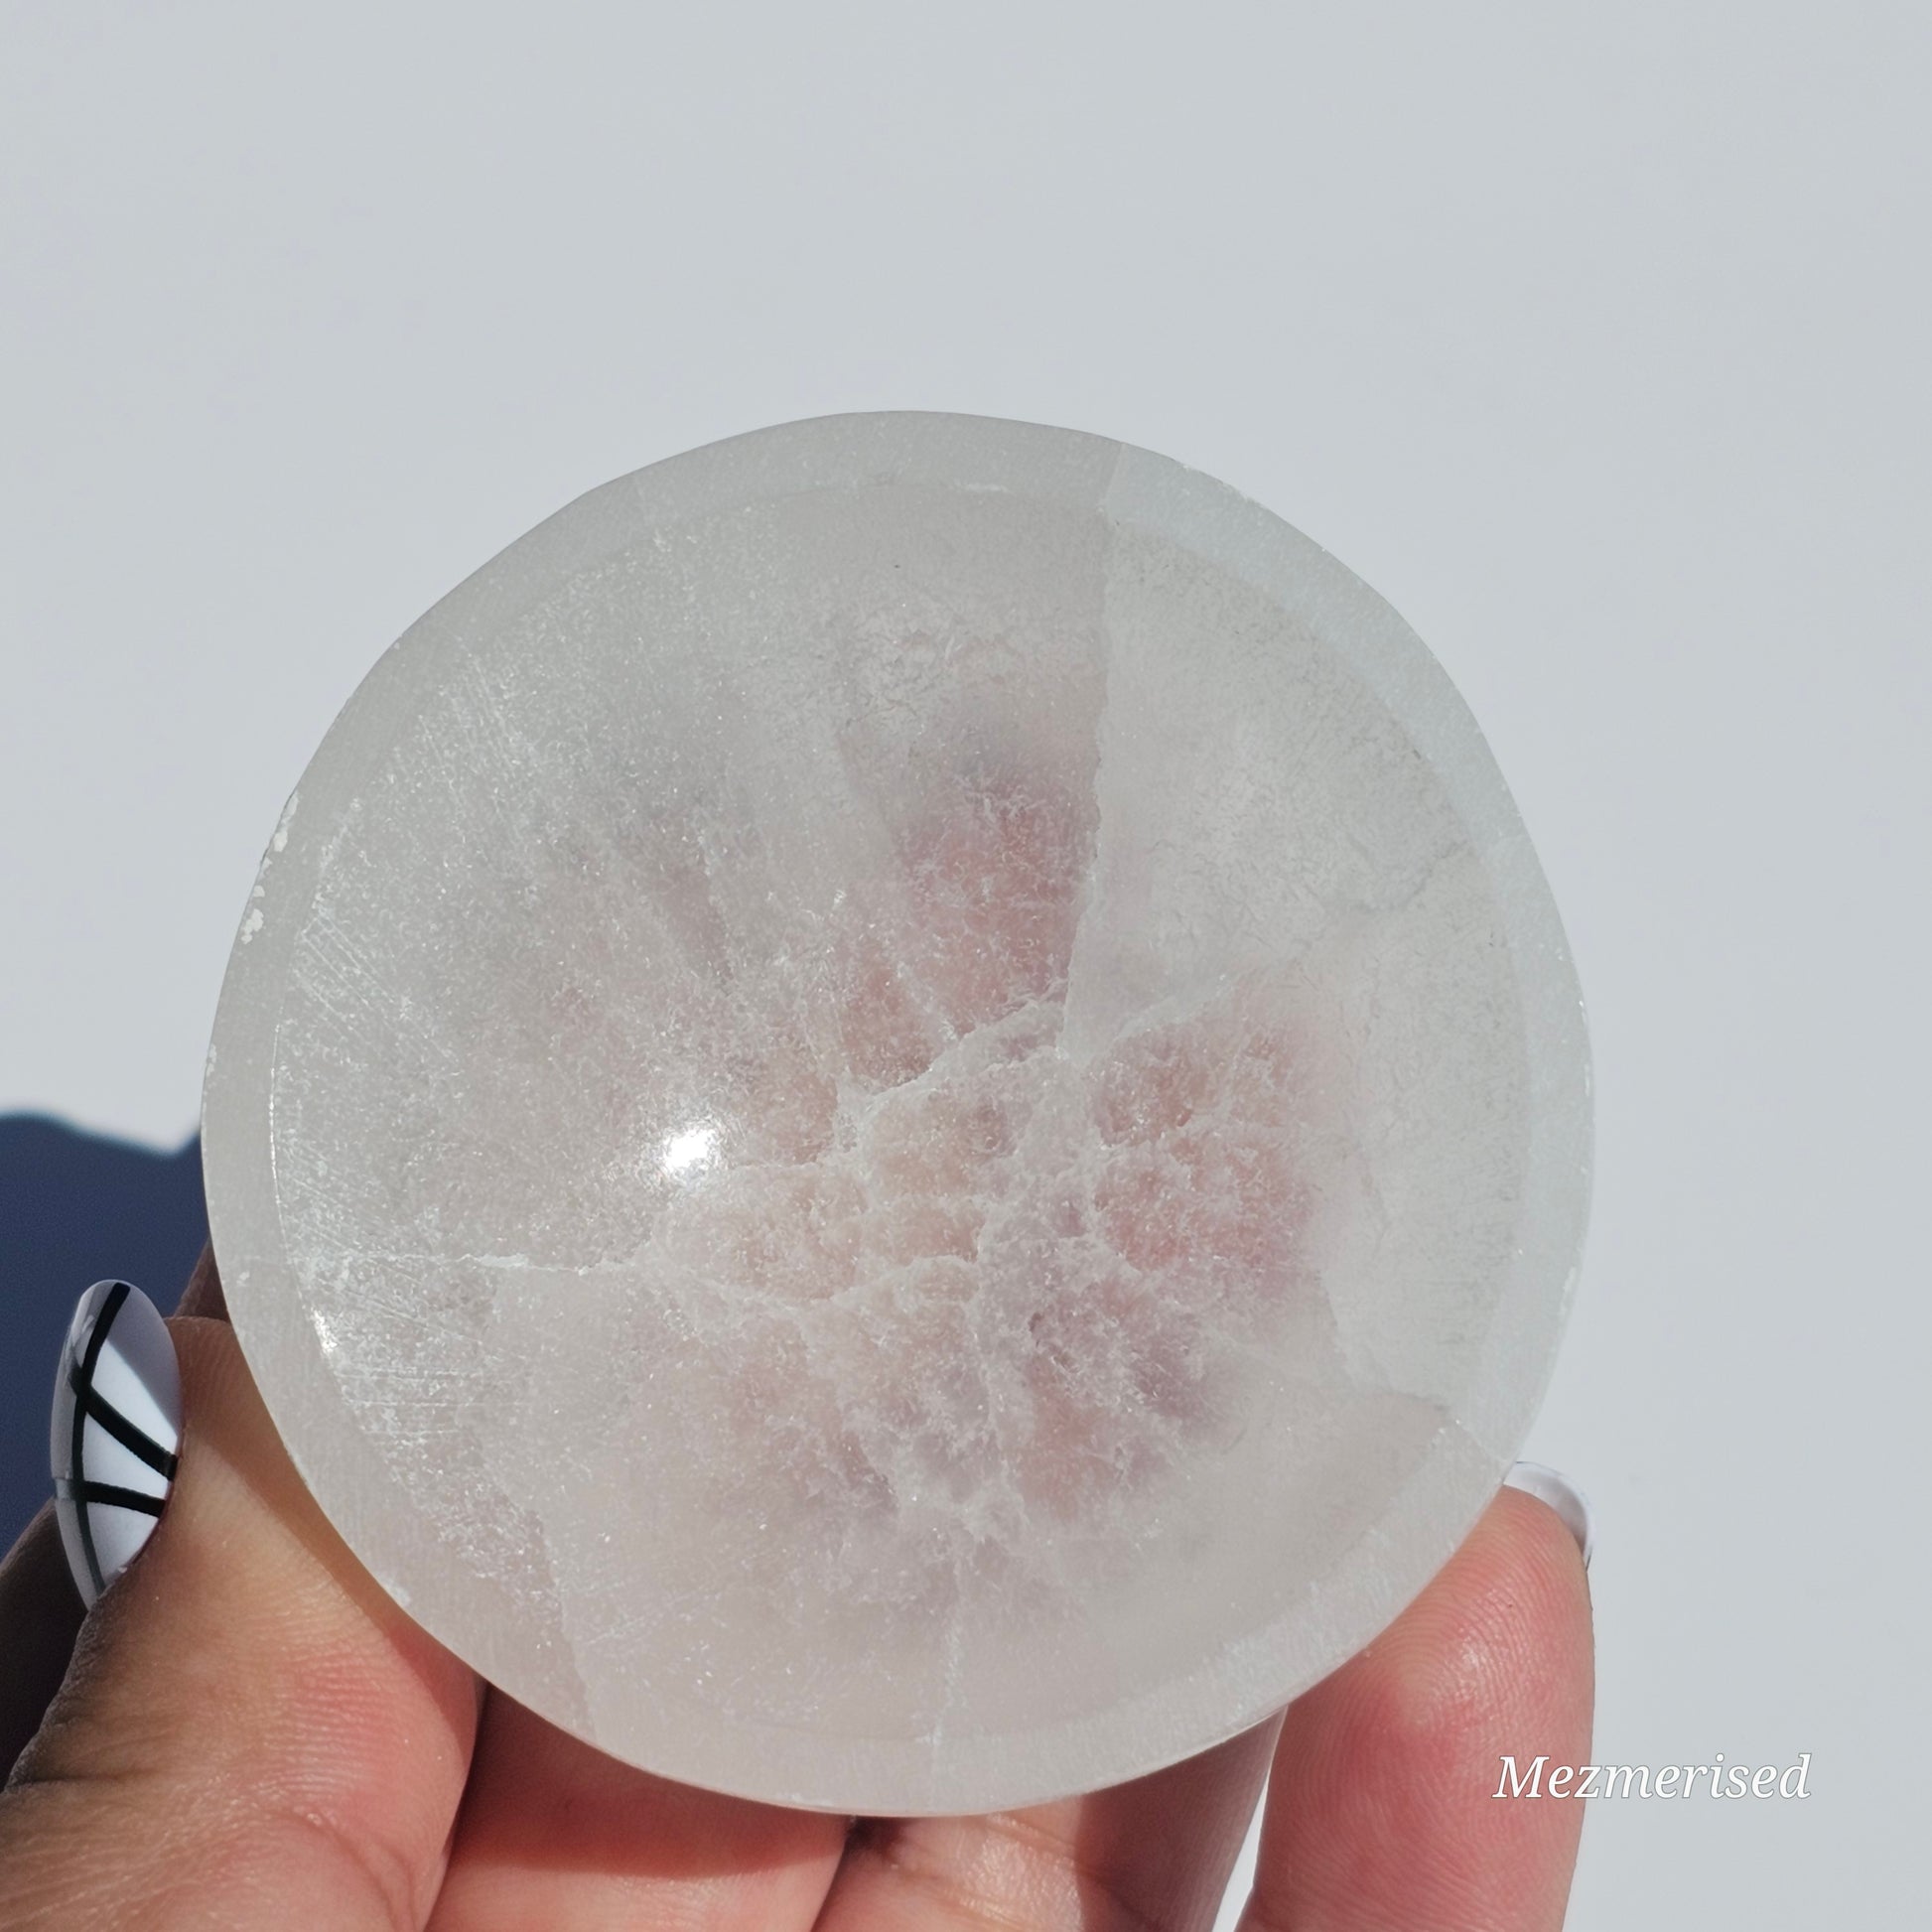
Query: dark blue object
point(74, 1209)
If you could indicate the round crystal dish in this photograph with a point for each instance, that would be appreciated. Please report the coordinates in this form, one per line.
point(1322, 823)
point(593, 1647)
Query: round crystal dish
point(900, 1123)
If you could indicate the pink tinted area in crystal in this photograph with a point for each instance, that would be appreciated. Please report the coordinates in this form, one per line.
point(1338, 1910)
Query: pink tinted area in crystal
point(985, 1273)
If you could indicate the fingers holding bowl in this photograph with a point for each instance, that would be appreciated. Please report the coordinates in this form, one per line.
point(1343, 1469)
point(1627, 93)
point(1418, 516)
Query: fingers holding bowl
point(246, 1718)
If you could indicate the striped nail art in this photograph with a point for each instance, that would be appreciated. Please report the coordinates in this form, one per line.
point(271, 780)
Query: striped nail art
point(116, 1430)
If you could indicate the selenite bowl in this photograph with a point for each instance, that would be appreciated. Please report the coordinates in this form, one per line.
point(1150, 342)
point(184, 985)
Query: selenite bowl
point(900, 1123)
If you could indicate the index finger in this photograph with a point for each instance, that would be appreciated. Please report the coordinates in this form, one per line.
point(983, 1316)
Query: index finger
point(1382, 1810)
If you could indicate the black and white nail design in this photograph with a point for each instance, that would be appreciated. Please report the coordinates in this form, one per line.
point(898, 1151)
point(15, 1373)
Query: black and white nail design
point(117, 1431)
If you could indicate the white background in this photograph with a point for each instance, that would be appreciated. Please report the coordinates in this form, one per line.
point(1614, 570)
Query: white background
point(1595, 337)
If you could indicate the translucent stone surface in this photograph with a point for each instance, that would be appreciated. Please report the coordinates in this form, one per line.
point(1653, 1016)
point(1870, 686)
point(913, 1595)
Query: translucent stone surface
point(900, 1123)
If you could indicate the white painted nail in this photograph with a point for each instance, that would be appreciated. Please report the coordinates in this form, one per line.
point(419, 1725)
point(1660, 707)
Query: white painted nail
point(1550, 1486)
point(116, 1431)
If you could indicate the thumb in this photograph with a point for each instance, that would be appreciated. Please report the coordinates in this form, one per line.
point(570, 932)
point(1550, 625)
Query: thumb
point(249, 1731)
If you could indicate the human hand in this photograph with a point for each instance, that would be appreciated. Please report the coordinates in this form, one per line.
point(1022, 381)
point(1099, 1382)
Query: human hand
point(247, 1732)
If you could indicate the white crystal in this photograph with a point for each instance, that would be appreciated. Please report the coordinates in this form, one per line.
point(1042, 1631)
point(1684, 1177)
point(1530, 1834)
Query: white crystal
point(904, 1126)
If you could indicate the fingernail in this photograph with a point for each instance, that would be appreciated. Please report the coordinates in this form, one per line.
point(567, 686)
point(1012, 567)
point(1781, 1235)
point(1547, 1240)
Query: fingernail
point(116, 1430)
point(1550, 1486)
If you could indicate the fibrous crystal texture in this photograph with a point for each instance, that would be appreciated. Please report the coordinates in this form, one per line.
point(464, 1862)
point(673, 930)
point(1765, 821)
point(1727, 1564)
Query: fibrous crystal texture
point(900, 1123)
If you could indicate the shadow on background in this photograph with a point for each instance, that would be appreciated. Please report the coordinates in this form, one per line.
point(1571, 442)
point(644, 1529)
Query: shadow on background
point(76, 1208)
